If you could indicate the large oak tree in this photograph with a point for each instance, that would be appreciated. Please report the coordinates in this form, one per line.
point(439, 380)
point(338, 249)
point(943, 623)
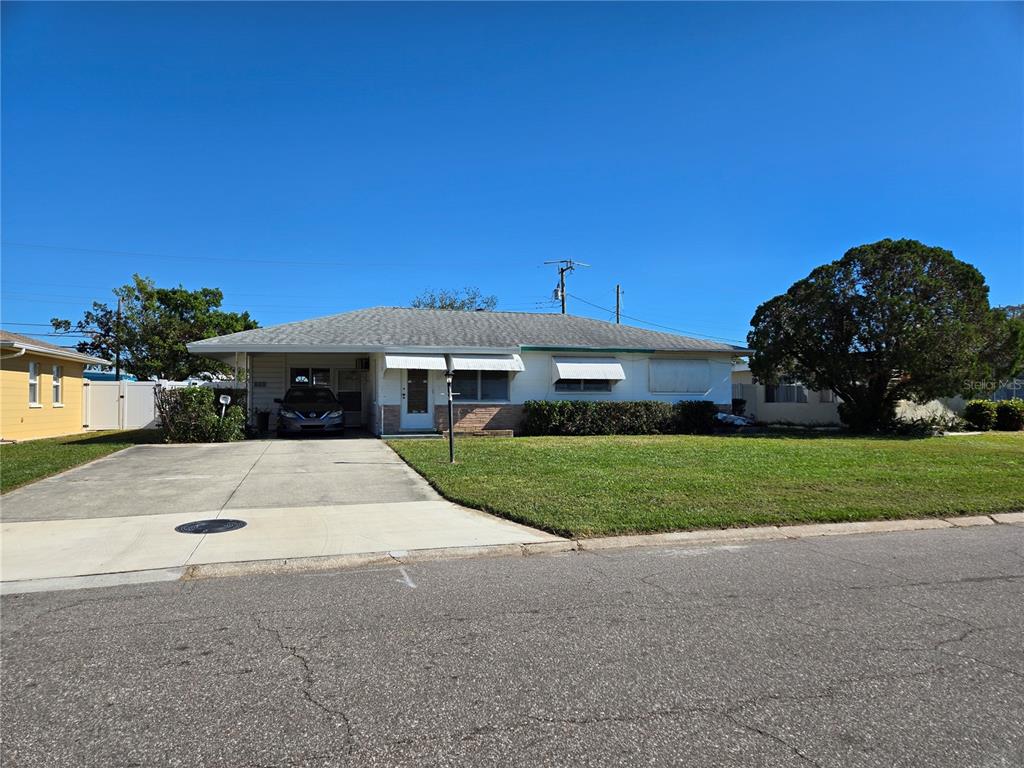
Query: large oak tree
point(155, 325)
point(888, 321)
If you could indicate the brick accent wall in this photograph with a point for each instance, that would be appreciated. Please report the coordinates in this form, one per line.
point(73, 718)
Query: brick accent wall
point(480, 418)
point(392, 419)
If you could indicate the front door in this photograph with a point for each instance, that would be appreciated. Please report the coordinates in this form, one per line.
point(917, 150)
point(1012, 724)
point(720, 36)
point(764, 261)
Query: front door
point(416, 400)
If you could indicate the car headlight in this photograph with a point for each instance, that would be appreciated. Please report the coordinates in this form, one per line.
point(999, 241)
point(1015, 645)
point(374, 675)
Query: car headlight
point(335, 414)
point(289, 414)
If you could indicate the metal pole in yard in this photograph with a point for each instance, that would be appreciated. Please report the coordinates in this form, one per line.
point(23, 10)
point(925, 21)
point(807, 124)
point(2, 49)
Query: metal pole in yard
point(451, 418)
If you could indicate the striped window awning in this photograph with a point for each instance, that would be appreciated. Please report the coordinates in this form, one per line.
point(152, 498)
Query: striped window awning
point(486, 363)
point(606, 368)
point(416, 362)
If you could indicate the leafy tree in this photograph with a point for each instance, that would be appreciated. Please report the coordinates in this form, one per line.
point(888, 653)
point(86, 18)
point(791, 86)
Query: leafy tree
point(889, 321)
point(467, 299)
point(1005, 356)
point(155, 325)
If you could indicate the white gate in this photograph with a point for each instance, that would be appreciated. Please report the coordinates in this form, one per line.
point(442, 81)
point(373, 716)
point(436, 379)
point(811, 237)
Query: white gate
point(121, 404)
point(102, 405)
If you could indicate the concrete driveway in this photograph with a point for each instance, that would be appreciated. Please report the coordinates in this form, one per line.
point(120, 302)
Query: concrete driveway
point(301, 498)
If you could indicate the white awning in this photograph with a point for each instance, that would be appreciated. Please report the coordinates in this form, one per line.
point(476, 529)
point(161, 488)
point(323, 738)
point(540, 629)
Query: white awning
point(607, 368)
point(416, 362)
point(487, 363)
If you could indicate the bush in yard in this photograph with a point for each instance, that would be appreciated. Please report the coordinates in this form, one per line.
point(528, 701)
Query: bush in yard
point(192, 415)
point(583, 417)
point(695, 417)
point(980, 414)
point(1010, 415)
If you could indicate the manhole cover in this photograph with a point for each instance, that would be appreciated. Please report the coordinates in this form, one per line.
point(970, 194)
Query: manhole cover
point(210, 526)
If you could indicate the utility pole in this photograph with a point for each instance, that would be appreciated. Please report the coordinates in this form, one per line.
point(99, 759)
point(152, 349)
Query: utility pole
point(564, 265)
point(117, 342)
point(618, 303)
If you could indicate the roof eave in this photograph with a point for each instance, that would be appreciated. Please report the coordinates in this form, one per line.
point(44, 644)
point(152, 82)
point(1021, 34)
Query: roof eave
point(60, 354)
point(201, 348)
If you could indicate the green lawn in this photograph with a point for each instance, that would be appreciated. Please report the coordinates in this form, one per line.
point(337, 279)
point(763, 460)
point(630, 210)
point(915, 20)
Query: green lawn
point(593, 486)
point(25, 462)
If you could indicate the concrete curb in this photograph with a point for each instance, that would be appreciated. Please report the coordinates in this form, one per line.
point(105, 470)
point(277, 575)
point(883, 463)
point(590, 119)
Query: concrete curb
point(1009, 518)
point(722, 536)
point(369, 559)
point(715, 536)
point(681, 537)
point(62, 583)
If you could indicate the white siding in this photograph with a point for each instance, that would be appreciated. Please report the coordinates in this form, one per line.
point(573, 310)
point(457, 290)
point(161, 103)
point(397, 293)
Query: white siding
point(270, 374)
point(269, 380)
point(535, 383)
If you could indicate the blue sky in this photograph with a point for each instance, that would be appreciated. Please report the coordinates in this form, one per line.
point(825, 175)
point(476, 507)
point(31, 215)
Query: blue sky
point(314, 158)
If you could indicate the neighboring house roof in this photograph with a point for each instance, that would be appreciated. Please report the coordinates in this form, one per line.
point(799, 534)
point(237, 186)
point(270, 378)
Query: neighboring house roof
point(399, 328)
point(18, 342)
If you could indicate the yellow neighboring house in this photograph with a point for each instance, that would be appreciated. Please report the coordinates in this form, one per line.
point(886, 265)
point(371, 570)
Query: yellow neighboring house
point(40, 388)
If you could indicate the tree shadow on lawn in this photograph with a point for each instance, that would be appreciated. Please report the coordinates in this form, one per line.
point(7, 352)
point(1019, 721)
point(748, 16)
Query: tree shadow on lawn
point(120, 437)
point(812, 434)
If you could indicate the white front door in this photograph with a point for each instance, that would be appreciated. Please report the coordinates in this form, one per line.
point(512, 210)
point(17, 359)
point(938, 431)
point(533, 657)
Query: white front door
point(416, 400)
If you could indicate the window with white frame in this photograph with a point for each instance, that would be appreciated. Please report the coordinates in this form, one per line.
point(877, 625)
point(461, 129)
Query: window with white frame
point(826, 396)
point(58, 384)
point(480, 385)
point(785, 391)
point(680, 376)
point(304, 377)
point(33, 383)
point(583, 385)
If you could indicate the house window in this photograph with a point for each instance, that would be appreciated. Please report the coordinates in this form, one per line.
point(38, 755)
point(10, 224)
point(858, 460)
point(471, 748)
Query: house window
point(786, 391)
point(305, 377)
point(33, 383)
point(826, 396)
point(583, 385)
point(480, 385)
point(58, 384)
point(680, 376)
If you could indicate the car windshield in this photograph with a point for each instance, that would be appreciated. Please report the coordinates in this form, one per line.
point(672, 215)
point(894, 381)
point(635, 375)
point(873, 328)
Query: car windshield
point(309, 395)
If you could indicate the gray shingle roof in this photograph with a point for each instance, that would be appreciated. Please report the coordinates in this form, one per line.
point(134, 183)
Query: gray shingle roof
point(401, 327)
point(18, 341)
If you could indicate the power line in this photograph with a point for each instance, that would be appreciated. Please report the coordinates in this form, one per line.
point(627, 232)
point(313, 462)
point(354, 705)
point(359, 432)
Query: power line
point(355, 264)
point(657, 325)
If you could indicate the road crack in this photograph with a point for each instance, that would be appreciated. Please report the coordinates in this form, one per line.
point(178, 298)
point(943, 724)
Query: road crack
point(308, 682)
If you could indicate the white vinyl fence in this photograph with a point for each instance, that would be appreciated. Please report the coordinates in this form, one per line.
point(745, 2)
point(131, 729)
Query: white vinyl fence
point(121, 404)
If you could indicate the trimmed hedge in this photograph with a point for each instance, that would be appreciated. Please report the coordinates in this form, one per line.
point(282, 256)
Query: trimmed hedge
point(980, 414)
point(695, 417)
point(602, 417)
point(192, 415)
point(1010, 415)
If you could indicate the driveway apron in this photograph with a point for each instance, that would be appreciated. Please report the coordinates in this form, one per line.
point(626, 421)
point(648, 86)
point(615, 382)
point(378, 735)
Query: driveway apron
point(299, 498)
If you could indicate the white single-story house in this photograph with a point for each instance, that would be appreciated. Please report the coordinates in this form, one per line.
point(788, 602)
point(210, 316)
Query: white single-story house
point(387, 365)
point(790, 402)
point(786, 402)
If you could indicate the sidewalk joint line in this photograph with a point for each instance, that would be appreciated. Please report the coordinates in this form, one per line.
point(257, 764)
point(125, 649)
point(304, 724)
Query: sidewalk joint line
point(231, 495)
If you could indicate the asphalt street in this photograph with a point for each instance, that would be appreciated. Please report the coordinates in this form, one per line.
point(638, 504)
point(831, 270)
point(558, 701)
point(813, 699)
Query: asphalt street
point(900, 649)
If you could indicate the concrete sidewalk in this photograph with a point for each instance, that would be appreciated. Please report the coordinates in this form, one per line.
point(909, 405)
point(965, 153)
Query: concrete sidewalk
point(66, 548)
point(299, 499)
